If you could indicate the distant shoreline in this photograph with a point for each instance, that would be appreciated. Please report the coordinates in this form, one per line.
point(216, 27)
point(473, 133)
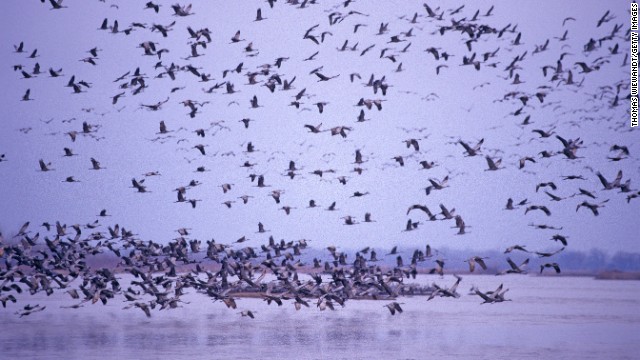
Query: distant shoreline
point(618, 275)
point(598, 275)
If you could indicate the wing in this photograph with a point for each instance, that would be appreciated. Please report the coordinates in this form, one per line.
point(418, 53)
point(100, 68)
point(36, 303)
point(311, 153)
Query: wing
point(490, 162)
point(465, 146)
point(562, 140)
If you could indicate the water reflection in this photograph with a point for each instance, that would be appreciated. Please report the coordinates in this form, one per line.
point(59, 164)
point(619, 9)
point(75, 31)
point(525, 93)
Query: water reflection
point(553, 321)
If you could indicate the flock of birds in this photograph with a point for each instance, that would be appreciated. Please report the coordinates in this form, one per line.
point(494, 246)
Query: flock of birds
point(222, 272)
point(61, 259)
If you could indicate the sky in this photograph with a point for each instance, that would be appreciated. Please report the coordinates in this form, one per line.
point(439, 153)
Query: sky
point(459, 103)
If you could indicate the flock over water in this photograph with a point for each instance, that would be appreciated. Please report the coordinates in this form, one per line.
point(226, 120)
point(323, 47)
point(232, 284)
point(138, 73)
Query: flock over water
point(285, 92)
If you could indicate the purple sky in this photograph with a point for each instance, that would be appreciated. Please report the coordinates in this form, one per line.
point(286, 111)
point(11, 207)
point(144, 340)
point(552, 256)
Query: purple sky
point(467, 105)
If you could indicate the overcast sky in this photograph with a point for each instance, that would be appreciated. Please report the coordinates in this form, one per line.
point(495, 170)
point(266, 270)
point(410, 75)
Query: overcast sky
point(437, 110)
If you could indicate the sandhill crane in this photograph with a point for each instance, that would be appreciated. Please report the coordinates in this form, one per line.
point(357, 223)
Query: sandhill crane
point(571, 146)
point(542, 133)
point(44, 166)
point(493, 165)
point(622, 148)
point(261, 182)
point(56, 5)
point(114, 99)
point(554, 265)
point(411, 225)
point(142, 306)
point(424, 208)
point(428, 253)
point(439, 269)
point(182, 10)
point(448, 214)
point(342, 180)
point(426, 165)
point(114, 28)
point(359, 194)
point(367, 217)
point(34, 54)
point(393, 307)
point(538, 207)
point(154, 7)
point(516, 247)
point(314, 129)
point(399, 160)
point(29, 309)
point(287, 209)
point(606, 184)
point(446, 292)
point(460, 225)
point(491, 296)
point(515, 269)
point(554, 197)
point(247, 313)
point(476, 260)
point(549, 254)
point(226, 187)
point(26, 96)
point(437, 185)
point(605, 18)
point(70, 179)
point(138, 185)
point(181, 191)
point(8, 298)
point(321, 105)
point(471, 151)
point(592, 207)
point(349, 220)
point(393, 251)
point(549, 184)
point(358, 157)
point(325, 78)
point(340, 130)
point(246, 121)
point(23, 230)
point(562, 239)
point(254, 102)
point(440, 67)
point(384, 27)
point(19, 48)
point(95, 164)
point(509, 205)
point(412, 142)
point(275, 194)
point(546, 154)
point(236, 37)
point(516, 80)
point(361, 117)
point(156, 106)
point(105, 26)
point(245, 198)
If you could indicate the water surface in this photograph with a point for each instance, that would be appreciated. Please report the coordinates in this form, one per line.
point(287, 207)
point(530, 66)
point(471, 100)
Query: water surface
point(548, 317)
